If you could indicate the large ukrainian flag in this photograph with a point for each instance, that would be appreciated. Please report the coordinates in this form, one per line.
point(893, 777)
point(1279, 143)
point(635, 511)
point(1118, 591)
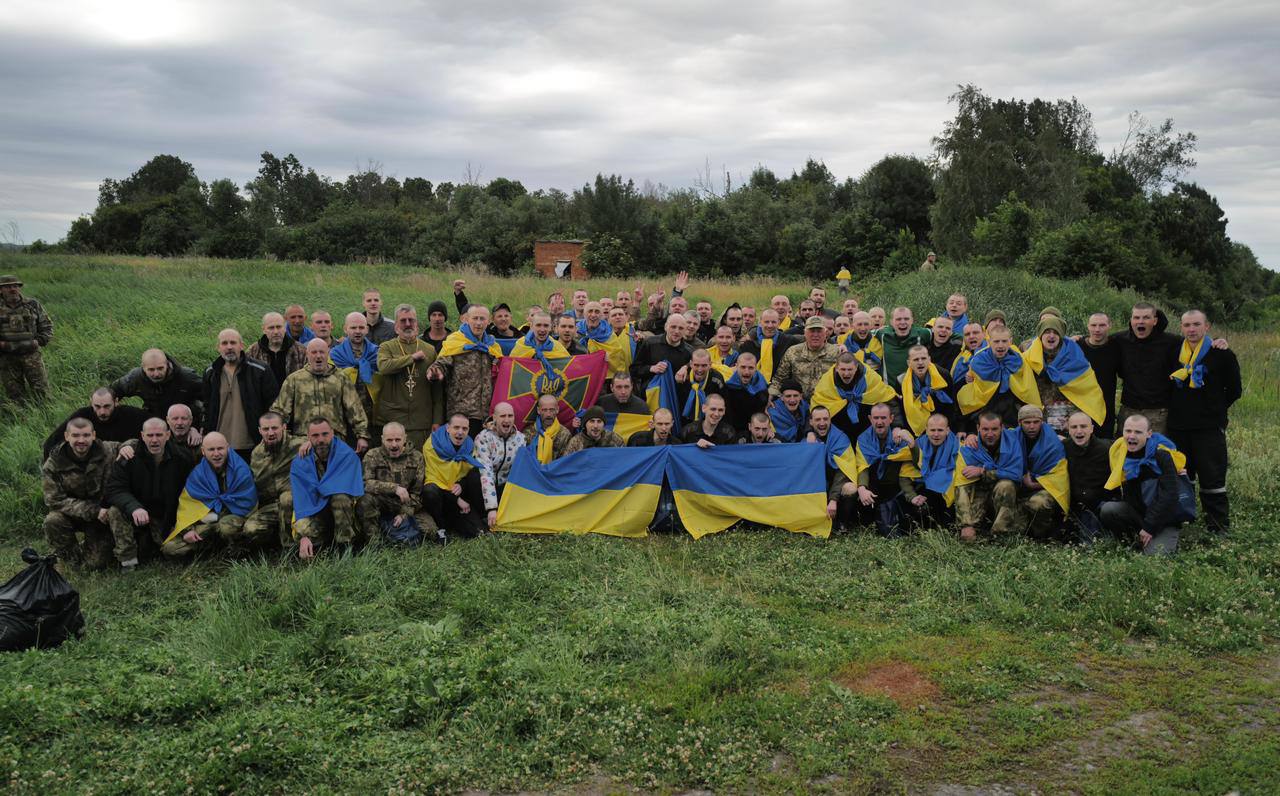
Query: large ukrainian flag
point(1072, 374)
point(203, 495)
point(778, 485)
point(612, 491)
point(661, 394)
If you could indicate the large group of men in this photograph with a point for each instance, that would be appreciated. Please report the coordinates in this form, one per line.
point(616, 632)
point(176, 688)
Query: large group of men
point(314, 437)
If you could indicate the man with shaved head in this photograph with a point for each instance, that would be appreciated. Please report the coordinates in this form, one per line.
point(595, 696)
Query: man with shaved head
point(237, 390)
point(295, 318)
point(320, 390)
point(466, 361)
point(322, 326)
point(74, 482)
point(277, 350)
point(161, 382)
point(111, 420)
point(356, 356)
point(498, 445)
point(143, 494)
point(223, 482)
point(392, 504)
point(381, 328)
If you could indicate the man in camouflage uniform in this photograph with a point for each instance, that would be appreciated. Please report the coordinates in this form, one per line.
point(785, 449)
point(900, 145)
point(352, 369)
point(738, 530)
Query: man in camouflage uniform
point(75, 480)
point(337, 524)
point(393, 478)
point(225, 525)
point(277, 350)
point(270, 462)
point(161, 382)
point(25, 328)
point(806, 363)
point(321, 390)
point(469, 388)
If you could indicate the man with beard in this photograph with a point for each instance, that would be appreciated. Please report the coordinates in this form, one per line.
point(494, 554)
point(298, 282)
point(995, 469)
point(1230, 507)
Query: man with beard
point(143, 492)
point(326, 482)
point(161, 382)
point(381, 329)
point(277, 350)
point(392, 504)
point(403, 363)
point(320, 390)
point(222, 483)
point(111, 420)
point(74, 483)
point(818, 296)
point(237, 390)
point(270, 463)
point(594, 434)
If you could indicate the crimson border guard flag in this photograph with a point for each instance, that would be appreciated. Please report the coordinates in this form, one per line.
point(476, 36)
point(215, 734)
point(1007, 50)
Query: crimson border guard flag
point(576, 381)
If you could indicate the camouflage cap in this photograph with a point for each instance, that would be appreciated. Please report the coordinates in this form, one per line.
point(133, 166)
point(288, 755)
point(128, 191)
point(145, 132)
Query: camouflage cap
point(10, 279)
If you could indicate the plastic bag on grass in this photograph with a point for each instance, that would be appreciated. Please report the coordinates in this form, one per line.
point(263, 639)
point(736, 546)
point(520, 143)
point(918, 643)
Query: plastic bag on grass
point(38, 608)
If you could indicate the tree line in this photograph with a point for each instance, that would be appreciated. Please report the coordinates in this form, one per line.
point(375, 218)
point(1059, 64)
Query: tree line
point(1012, 183)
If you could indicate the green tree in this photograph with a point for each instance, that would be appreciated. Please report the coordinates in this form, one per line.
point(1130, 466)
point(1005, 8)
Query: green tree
point(1004, 236)
point(898, 192)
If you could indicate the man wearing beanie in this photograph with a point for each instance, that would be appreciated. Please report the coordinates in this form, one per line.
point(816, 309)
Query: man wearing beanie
point(593, 433)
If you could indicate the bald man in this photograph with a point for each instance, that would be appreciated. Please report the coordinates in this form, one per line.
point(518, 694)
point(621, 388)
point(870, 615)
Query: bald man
point(237, 390)
point(321, 390)
point(143, 494)
point(322, 326)
point(295, 318)
point(161, 382)
point(226, 523)
point(277, 350)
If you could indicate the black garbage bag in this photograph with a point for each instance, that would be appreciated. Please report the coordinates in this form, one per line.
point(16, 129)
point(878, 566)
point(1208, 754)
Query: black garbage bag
point(38, 608)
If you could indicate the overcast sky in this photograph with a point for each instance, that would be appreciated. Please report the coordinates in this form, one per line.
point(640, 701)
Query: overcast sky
point(550, 93)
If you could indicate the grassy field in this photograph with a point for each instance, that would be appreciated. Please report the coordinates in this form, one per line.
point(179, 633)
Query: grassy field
point(742, 662)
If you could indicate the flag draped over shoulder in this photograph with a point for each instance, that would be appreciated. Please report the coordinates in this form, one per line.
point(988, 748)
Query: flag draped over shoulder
point(1010, 466)
point(1072, 374)
point(786, 426)
point(871, 354)
point(358, 371)
point(544, 437)
point(938, 465)
point(1191, 374)
point(961, 365)
point(620, 349)
point(869, 453)
point(757, 385)
point(692, 408)
point(447, 463)
point(868, 390)
point(660, 393)
point(202, 494)
point(466, 340)
point(528, 346)
point(765, 363)
point(957, 324)
point(576, 381)
point(993, 376)
point(343, 476)
point(611, 491)
point(921, 397)
point(601, 334)
point(626, 424)
point(778, 485)
point(840, 454)
point(1124, 468)
point(1047, 463)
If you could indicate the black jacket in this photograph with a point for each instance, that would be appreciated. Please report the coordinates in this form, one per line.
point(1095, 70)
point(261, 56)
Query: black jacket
point(644, 439)
point(723, 435)
point(1206, 407)
point(1105, 361)
point(125, 424)
point(780, 347)
point(258, 389)
point(1157, 515)
point(634, 405)
point(382, 331)
point(944, 356)
point(653, 350)
point(180, 386)
point(740, 405)
point(1088, 468)
point(1145, 365)
point(142, 483)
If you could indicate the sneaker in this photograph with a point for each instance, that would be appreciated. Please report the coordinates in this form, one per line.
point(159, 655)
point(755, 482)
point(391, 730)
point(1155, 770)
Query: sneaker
point(128, 566)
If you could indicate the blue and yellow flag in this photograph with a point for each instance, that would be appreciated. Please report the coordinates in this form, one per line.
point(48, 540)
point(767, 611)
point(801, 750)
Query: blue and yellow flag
point(202, 494)
point(660, 393)
point(465, 340)
point(871, 354)
point(447, 464)
point(868, 390)
point(620, 349)
point(342, 476)
point(787, 487)
point(840, 454)
point(870, 451)
point(961, 365)
point(1124, 468)
point(544, 438)
point(362, 371)
point(938, 465)
point(957, 324)
point(993, 376)
point(612, 491)
point(1191, 374)
point(626, 424)
point(692, 409)
point(1010, 466)
point(786, 426)
point(1073, 376)
point(603, 332)
point(528, 346)
point(764, 362)
point(921, 397)
point(1047, 463)
point(507, 344)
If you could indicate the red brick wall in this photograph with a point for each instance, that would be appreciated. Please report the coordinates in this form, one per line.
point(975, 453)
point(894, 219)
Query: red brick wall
point(546, 253)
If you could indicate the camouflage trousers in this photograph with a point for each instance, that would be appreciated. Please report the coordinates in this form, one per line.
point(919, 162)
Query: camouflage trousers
point(374, 507)
point(22, 375)
point(271, 519)
point(226, 531)
point(133, 542)
point(1011, 509)
point(61, 532)
point(336, 524)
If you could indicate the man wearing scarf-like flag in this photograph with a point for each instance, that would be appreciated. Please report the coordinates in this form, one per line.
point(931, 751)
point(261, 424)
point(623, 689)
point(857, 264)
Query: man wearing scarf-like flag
point(694, 383)
point(883, 456)
point(218, 496)
point(973, 338)
point(724, 355)
point(357, 357)
point(458, 499)
point(745, 392)
point(1044, 495)
point(620, 347)
point(789, 413)
point(593, 328)
point(936, 453)
point(924, 391)
point(661, 394)
point(845, 387)
point(862, 343)
point(1064, 378)
point(467, 358)
point(1205, 386)
point(767, 343)
point(957, 310)
point(987, 477)
point(326, 481)
point(545, 436)
point(841, 467)
point(999, 380)
point(1145, 469)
